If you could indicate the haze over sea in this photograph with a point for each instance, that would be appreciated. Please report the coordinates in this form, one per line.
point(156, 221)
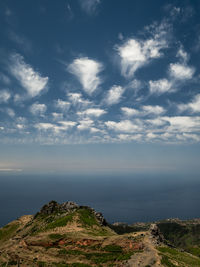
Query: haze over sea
point(125, 198)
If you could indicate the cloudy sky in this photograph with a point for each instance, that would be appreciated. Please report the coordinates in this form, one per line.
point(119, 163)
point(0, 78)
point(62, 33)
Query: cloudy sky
point(78, 72)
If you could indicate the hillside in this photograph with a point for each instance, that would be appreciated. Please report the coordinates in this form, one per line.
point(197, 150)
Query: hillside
point(71, 235)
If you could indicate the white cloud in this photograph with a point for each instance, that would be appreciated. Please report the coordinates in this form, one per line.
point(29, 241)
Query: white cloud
point(89, 6)
point(62, 105)
point(193, 106)
point(4, 96)
point(160, 86)
point(10, 112)
point(183, 124)
point(38, 109)
point(77, 100)
point(87, 71)
point(188, 137)
point(60, 126)
point(114, 95)
point(128, 137)
point(93, 112)
point(157, 110)
point(29, 79)
point(57, 116)
point(182, 54)
point(135, 53)
point(145, 110)
point(151, 135)
point(181, 71)
point(20, 126)
point(122, 126)
point(130, 111)
point(85, 124)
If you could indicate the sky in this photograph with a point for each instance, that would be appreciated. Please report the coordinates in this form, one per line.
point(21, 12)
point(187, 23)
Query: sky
point(99, 85)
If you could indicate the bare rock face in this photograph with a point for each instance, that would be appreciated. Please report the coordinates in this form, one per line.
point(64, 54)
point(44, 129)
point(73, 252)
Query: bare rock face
point(53, 207)
point(100, 218)
point(157, 236)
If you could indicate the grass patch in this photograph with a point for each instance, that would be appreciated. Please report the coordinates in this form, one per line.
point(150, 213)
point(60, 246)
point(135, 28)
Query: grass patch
point(59, 222)
point(166, 262)
point(7, 231)
point(195, 251)
point(113, 248)
point(99, 258)
point(70, 252)
point(87, 218)
point(76, 264)
point(56, 236)
point(181, 258)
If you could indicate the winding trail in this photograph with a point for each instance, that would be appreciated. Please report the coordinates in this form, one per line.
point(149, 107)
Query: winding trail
point(149, 257)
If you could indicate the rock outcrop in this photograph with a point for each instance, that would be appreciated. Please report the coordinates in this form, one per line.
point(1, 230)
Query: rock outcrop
point(156, 235)
point(54, 206)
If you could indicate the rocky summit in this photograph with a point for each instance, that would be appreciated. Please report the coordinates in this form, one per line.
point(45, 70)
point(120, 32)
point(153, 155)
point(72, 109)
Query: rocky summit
point(70, 235)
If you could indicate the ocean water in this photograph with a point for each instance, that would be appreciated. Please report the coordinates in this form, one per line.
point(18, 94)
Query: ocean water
point(124, 198)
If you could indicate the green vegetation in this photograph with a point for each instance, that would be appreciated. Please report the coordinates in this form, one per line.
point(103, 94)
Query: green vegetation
point(125, 228)
point(86, 217)
point(7, 231)
point(60, 222)
point(71, 252)
point(77, 264)
point(170, 255)
point(107, 257)
point(56, 236)
point(179, 235)
point(194, 250)
point(113, 248)
point(111, 254)
point(166, 261)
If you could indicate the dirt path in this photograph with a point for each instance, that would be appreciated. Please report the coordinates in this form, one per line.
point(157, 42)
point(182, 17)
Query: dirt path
point(149, 257)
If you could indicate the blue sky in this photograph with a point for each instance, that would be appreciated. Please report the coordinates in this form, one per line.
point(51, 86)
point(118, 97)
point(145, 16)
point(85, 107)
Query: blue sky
point(97, 72)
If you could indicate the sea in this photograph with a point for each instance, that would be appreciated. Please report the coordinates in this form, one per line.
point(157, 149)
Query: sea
point(126, 198)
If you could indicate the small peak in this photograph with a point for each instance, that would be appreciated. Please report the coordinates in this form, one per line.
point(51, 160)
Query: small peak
point(54, 206)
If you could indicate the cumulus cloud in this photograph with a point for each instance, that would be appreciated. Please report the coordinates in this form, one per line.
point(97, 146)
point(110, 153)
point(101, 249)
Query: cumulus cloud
point(157, 110)
point(77, 99)
point(4, 96)
point(114, 95)
point(38, 109)
point(193, 106)
point(89, 6)
point(143, 111)
point(93, 112)
point(56, 128)
point(136, 53)
point(183, 123)
point(160, 86)
point(122, 126)
point(181, 71)
point(62, 105)
point(177, 73)
point(130, 111)
point(87, 70)
point(182, 54)
point(85, 124)
point(29, 79)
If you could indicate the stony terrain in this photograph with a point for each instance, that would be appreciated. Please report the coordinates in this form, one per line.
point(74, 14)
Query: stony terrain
point(71, 235)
